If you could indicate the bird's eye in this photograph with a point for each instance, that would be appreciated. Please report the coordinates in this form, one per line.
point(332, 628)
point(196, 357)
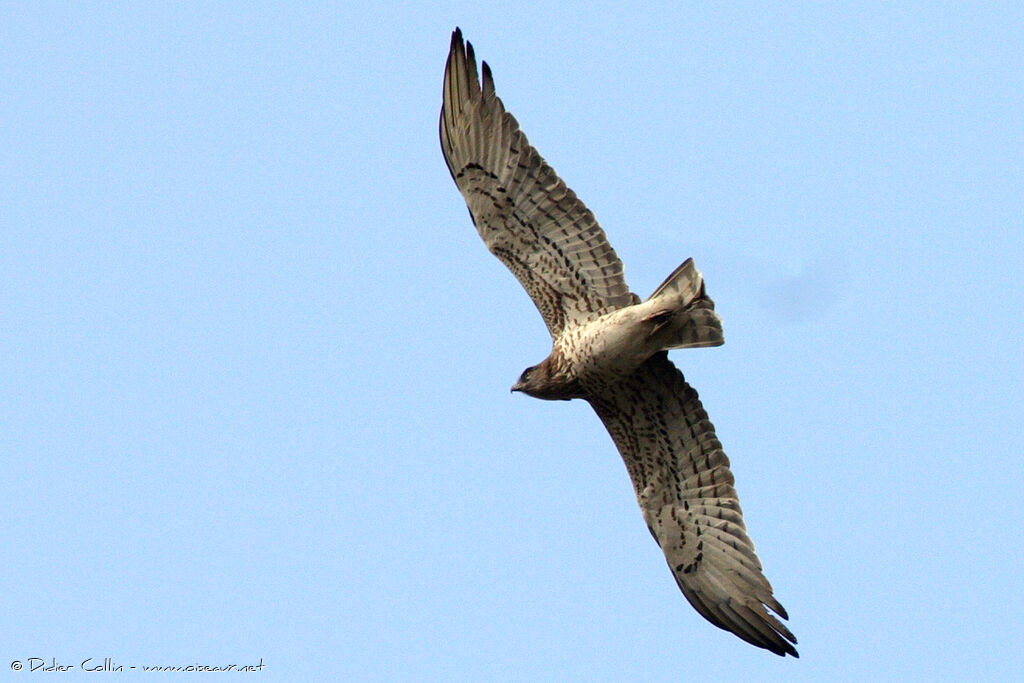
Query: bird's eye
point(526, 375)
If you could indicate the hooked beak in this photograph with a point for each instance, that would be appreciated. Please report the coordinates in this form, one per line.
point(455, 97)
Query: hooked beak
point(516, 387)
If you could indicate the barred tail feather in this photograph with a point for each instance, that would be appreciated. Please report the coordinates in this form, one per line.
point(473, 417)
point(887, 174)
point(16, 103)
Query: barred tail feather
point(685, 315)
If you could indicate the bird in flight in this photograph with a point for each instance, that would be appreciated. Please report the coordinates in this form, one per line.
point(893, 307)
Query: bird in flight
point(610, 349)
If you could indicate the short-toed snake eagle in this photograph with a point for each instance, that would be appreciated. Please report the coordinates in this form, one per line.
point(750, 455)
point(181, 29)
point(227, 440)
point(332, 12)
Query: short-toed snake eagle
point(610, 349)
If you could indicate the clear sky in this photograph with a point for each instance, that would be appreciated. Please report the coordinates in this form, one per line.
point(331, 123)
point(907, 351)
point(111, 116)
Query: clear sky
point(255, 361)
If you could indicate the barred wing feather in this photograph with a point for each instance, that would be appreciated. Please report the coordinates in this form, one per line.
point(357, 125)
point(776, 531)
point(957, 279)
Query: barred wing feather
point(524, 212)
point(685, 489)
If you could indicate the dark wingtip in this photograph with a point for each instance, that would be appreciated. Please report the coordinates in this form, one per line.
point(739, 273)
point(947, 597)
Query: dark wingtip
point(781, 650)
point(456, 45)
point(789, 640)
point(462, 46)
point(488, 79)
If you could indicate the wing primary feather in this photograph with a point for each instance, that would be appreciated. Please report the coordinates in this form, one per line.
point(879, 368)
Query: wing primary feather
point(488, 80)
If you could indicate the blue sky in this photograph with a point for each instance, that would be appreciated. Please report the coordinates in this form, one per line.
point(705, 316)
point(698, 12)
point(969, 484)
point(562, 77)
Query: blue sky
point(254, 359)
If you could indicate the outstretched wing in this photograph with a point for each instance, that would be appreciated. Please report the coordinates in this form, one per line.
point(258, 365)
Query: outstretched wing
point(685, 490)
point(524, 212)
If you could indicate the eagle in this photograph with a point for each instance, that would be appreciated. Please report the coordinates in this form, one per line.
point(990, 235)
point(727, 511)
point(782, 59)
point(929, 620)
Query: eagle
point(610, 348)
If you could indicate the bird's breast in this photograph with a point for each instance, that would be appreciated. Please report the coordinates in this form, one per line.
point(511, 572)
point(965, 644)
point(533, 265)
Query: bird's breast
point(609, 348)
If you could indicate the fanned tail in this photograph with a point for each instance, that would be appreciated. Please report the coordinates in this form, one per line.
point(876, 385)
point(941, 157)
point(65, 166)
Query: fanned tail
point(684, 315)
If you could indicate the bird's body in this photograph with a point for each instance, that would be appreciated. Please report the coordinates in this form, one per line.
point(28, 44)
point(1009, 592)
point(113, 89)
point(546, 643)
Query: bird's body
point(610, 349)
point(588, 359)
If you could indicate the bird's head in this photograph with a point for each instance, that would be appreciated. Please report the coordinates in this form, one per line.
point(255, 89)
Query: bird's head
point(539, 381)
point(529, 382)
